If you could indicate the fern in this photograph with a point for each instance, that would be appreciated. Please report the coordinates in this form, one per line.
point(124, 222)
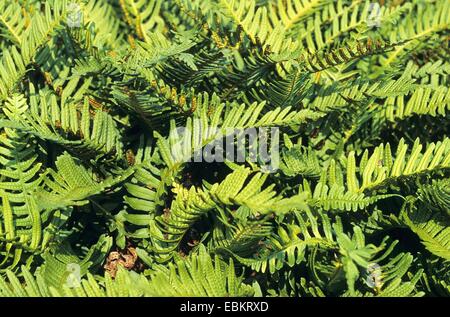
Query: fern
point(98, 136)
point(199, 277)
point(71, 184)
point(432, 229)
point(13, 64)
point(120, 121)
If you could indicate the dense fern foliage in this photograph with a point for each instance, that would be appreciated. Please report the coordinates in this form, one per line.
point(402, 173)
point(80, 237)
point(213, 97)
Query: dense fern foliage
point(91, 92)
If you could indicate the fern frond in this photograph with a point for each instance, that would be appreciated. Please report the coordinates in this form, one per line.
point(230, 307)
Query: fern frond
point(337, 198)
point(381, 166)
point(19, 178)
point(199, 276)
point(71, 184)
point(98, 136)
point(13, 64)
point(424, 101)
point(142, 17)
point(290, 243)
point(432, 229)
point(244, 14)
point(300, 161)
point(13, 22)
point(434, 18)
point(436, 195)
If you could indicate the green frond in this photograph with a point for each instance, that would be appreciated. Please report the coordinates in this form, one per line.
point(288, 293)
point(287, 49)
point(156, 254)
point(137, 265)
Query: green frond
point(424, 101)
point(143, 17)
point(434, 18)
point(19, 178)
point(72, 185)
point(435, 277)
point(103, 16)
point(436, 195)
point(242, 239)
point(13, 22)
point(336, 197)
point(145, 194)
point(245, 15)
point(13, 63)
point(392, 278)
point(198, 276)
point(289, 244)
point(97, 132)
point(382, 166)
point(432, 229)
point(187, 208)
point(290, 13)
point(224, 148)
point(300, 161)
point(191, 204)
point(62, 262)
